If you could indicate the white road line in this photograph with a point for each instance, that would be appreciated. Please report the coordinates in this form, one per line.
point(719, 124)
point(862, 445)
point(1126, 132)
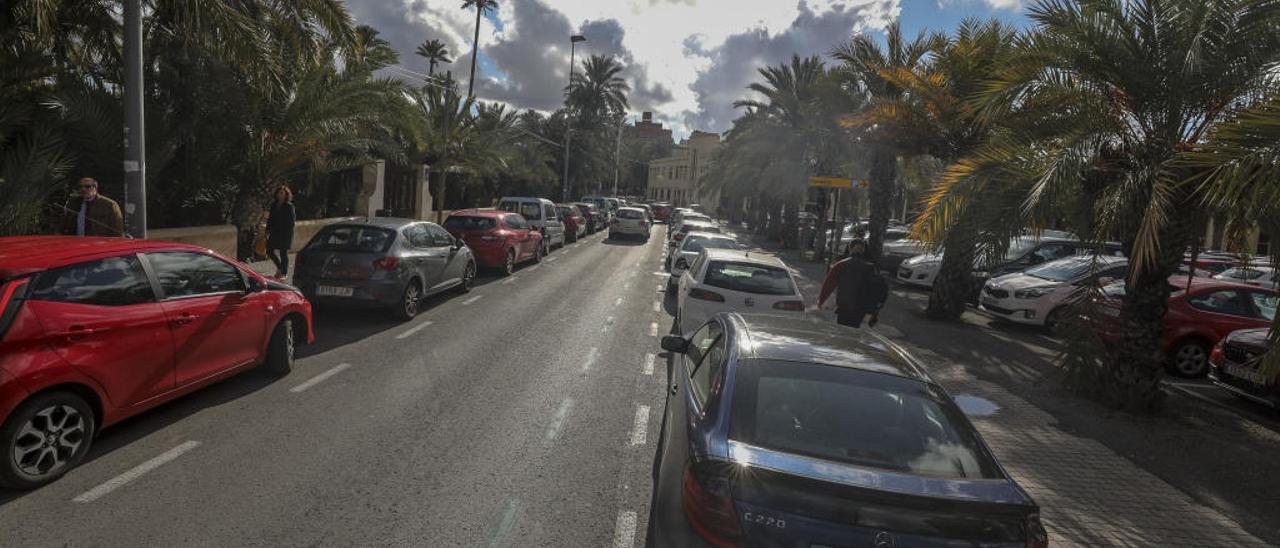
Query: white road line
point(510, 515)
point(662, 287)
point(591, 359)
point(626, 285)
point(661, 273)
point(608, 323)
point(413, 330)
point(557, 421)
point(640, 429)
point(657, 306)
point(624, 533)
point(320, 378)
point(617, 301)
point(532, 268)
point(648, 363)
point(473, 299)
point(551, 259)
point(135, 473)
point(510, 280)
point(653, 329)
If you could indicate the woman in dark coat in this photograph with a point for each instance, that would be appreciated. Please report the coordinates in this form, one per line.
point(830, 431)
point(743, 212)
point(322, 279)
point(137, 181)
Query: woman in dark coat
point(280, 230)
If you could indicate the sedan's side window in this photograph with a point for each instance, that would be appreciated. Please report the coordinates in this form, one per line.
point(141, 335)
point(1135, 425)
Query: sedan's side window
point(1222, 302)
point(1265, 303)
point(439, 236)
point(516, 222)
point(184, 274)
point(114, 281)
point(706, 356)
point(418, 236)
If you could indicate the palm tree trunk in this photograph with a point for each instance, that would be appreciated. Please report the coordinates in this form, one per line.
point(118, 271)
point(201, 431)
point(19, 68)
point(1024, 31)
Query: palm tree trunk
point(475, 50)
point(431, 68)
point(954, 281)
point(883, 175)
point(247, 213)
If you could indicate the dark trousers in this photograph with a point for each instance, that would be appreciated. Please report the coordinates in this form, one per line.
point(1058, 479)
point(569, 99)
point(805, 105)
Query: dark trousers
point(281, 258)
point(851, 318)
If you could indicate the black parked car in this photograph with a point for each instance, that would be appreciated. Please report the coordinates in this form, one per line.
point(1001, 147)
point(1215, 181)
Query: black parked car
point(781, 432)
point(1235, 366)
point(388, 262)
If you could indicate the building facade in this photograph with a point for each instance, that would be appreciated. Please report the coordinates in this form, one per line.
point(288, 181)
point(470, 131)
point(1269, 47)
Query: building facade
point(675, 178)
point(647, 129)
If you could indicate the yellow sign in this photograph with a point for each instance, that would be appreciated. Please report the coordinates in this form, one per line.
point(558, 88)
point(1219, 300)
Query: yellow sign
point(830, 182)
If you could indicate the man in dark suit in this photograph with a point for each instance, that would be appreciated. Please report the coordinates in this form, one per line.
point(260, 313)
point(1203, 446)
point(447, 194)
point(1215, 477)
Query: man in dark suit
point(92, 214)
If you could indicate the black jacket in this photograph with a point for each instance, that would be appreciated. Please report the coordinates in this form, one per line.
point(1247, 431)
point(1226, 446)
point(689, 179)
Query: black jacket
point(280, 226)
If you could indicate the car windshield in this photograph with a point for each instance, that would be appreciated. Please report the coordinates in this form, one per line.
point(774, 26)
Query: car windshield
point(696, 244)
point(856, 417)
point(469, 222)
point(1063, 270)
point(749, 278)
point(1019, 247)
point(364, 239)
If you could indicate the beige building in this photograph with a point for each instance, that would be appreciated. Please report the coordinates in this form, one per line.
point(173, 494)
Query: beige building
point(674, 179)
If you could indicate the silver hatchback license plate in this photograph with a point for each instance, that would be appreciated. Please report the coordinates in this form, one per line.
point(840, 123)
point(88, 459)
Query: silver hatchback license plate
point(334, 291)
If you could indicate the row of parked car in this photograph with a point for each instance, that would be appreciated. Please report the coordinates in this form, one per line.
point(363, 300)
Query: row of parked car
point(95, 330)
point(783, 430)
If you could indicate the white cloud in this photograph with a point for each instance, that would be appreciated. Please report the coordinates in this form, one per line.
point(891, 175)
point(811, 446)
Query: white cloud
point(688, 86)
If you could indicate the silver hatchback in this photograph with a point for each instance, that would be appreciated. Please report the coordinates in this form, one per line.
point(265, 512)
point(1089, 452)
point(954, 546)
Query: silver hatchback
point(388, 262)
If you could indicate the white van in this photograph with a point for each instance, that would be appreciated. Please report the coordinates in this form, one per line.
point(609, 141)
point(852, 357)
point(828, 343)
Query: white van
point(541, 214)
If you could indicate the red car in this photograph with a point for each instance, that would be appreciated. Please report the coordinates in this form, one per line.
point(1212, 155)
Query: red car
point(94, 330)
point(661, 211)
point(1197, 319)
point(575, 224)
point(498, 239)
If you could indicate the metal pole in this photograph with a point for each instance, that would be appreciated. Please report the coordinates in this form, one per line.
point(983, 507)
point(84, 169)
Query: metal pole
point(564, 194)
point(135, 164)
point(617, 155)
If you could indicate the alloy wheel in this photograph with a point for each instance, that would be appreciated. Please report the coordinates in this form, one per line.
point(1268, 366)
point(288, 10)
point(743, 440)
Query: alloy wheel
point(510, 265)
point(49, 440)
point(469, 276)
point(1190, 359)
point(412, 296)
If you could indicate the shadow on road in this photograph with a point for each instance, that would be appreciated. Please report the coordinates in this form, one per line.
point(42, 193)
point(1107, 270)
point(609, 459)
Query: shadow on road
point(628, 242)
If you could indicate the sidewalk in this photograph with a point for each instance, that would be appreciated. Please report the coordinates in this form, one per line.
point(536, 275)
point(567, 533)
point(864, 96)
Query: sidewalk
point(1089, 494)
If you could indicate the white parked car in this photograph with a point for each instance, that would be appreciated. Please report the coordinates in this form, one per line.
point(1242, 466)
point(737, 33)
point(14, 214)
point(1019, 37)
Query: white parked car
point(629, 221)
point(726, 280)
point(920, 270)
point(1037, 295)
point(1253, 274)
point(693, 244)
point(691, 217)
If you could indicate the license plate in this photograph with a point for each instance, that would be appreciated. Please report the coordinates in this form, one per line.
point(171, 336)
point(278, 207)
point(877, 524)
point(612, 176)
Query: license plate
point(333, 291)
point(1244, 373)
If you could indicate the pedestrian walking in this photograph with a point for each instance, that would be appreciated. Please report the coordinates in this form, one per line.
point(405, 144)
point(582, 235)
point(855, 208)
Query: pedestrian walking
point(280, 221)
point(92, 214)
point(859, 288)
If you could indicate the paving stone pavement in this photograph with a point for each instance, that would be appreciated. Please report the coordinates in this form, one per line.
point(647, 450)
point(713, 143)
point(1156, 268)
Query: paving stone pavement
point(1089, 495)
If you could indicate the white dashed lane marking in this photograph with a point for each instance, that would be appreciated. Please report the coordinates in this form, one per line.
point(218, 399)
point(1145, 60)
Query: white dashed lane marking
point(617, 302)
point(648, 363)
point(413, 330)
point(657, 306)
point(608, 324)
point(473, 299)
point(510, 280)
point(624, 533)
point(591, 359)
point(640, 429)
point(135, 473)
point(557, 421)
point(653, 329)
point(320, 378)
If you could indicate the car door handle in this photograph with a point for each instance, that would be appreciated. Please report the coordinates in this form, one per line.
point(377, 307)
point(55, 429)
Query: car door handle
point(77, 332)
point(184, 319)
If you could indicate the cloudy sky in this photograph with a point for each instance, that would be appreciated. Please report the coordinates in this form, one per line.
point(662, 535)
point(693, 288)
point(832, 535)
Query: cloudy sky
point(687, 60)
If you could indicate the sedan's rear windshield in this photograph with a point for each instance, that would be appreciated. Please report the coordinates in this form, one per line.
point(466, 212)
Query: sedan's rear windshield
point(694, 245)
point(469, 222)
point(630, 214)
point(363, 239)
point(690, 227)
point(749, 278)
point(856, 417)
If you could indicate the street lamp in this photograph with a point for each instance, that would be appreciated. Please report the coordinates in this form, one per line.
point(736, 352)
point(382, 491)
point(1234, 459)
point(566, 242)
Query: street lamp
point(573, 42)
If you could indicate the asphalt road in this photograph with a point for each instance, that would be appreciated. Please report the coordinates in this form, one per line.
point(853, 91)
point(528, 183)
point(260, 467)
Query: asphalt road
point(524, 413)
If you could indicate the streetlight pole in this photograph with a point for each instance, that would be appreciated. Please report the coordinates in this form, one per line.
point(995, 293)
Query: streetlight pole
point(568, 122)
point(135, 164)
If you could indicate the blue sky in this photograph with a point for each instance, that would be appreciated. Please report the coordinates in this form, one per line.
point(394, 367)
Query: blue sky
point(687, 61)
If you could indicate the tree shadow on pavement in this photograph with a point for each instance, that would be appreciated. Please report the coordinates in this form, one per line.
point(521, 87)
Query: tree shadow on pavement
point(626, 243)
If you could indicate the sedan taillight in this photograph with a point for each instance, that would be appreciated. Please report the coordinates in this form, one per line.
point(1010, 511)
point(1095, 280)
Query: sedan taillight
point(792, 306)
point(386, 263)
point(704, 295)
point(1216, 357)
point(1036, 535)
point(709, 509)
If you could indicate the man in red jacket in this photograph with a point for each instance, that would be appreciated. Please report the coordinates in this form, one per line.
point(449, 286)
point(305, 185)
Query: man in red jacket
point(859, 288)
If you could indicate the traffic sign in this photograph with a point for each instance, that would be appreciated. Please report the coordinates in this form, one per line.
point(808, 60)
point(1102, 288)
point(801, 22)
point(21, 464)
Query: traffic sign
point(830, 182)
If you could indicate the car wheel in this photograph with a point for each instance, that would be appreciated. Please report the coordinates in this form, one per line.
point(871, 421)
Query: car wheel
point(280, 348)
point(509, 265)
point(537, 255)
point(1054, 322)
point(410, 300)
point(1190, 359)
point(468, 278)
point(44, 438)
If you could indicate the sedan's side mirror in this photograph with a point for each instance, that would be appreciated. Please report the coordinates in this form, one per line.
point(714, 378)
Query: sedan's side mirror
point(254, 285)
point(675, 344)
point(457, 242)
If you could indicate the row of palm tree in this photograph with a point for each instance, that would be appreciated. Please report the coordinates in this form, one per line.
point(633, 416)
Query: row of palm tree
point(1126, 121)
point(244, 96)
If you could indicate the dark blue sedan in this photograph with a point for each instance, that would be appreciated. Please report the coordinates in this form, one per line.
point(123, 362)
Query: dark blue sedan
point(790, 433)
